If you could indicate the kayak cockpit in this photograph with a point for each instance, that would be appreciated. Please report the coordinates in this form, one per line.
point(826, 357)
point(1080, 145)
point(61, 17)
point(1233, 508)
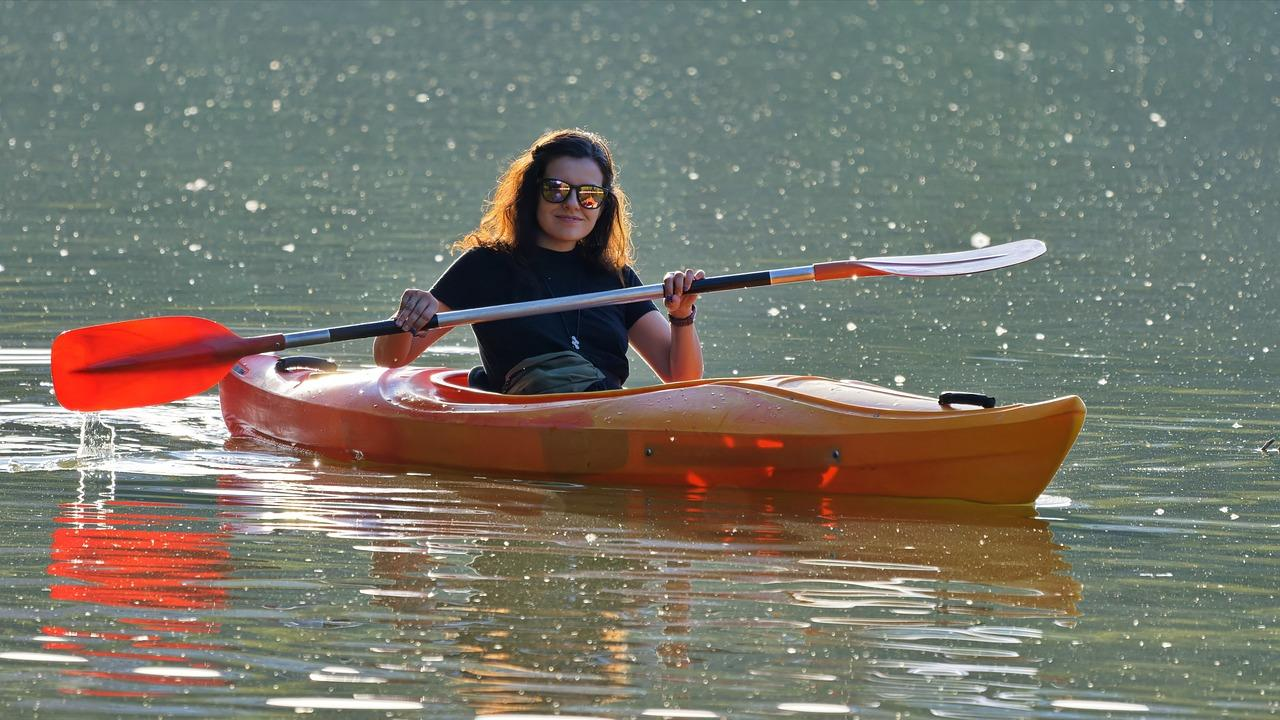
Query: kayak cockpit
point(419, 386)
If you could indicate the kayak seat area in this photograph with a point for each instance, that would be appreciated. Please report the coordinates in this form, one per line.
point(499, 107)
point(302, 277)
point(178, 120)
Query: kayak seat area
point(454, 386)
point(451, 386)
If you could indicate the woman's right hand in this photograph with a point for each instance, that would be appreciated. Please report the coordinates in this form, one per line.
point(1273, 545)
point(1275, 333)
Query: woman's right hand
point(417, 307)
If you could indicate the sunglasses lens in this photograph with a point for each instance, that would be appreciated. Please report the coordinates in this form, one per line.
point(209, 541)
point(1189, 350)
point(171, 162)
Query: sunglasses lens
point(555, 191)
point(590, 197)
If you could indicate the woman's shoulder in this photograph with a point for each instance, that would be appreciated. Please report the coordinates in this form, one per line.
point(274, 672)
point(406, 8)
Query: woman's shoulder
point(477, 264)
point(629, 277)
point(484, 257)
point(487, 252)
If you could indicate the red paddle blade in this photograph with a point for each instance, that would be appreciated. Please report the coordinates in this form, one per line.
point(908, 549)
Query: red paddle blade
point(142, 362)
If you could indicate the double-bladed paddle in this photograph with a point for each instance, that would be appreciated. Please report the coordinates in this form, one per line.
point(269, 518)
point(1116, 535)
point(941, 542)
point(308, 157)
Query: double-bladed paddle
point(156, 360)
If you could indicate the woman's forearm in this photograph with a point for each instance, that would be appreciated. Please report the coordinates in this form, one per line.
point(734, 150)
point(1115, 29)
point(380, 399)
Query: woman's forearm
point(393, 350)
point(417, 307)
point(686, 354)
point(403, 348)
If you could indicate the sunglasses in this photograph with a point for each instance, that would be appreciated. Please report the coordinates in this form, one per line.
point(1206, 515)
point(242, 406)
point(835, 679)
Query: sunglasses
point(590, 197)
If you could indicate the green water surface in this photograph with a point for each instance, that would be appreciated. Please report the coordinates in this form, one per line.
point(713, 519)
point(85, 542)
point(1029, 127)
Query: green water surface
point(284, 166)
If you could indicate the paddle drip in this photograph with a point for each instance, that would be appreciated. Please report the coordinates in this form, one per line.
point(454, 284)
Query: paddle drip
point(97, 439)
point(93, 464)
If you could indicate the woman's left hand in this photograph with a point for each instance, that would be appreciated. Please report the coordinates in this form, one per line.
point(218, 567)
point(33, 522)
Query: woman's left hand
point(674, 284)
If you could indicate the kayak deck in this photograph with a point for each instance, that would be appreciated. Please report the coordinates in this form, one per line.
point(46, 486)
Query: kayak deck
point(776, 432)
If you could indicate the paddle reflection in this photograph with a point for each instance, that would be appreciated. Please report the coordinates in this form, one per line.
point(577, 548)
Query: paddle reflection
point(524, 596)
point(138, 562)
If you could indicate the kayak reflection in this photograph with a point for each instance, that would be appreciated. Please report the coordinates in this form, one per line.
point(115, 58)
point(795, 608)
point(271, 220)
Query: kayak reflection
point(530, 594)
point(138, 562)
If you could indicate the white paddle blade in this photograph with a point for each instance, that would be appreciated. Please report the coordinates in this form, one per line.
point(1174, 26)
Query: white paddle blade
point(958, 263)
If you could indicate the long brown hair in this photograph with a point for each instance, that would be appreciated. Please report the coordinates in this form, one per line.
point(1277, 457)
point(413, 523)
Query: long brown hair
point(510, 220)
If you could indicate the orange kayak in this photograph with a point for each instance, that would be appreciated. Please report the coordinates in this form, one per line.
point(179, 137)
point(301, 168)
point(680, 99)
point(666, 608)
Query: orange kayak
point(778, 432)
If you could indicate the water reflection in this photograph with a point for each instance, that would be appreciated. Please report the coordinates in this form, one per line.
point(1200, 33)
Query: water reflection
point(152, 571)
point(518, 597)
point(357, 589)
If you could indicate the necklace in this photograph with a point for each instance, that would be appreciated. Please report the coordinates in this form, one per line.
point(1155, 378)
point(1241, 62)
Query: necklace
point(573, 336)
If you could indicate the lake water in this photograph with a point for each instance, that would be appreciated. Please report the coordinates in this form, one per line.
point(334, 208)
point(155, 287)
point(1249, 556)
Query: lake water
point(280, 167)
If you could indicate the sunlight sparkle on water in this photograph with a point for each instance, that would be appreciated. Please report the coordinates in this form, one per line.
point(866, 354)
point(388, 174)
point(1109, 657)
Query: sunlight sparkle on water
point(178, 672)
point(1100, 705)
point(23, 356)
point(337, 674)
point(354, 703)
point(41, 657)
point(1053, 501)
point(394, 593)
point(870, 565)
point(523, 716)
point(816, 708)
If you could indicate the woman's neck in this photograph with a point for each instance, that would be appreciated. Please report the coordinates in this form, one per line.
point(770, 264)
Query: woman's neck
point(556, 245)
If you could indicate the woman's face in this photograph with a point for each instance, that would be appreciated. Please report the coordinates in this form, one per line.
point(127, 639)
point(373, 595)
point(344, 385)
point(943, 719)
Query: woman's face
point(565, 224)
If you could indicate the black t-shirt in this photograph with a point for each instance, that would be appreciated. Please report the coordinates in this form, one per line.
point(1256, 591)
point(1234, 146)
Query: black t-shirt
point(482, 277)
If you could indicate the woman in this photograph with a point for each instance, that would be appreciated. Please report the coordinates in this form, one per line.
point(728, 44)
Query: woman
point(557, 225)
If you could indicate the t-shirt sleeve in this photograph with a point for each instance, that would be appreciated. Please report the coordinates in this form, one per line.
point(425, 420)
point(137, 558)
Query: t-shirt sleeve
point(467, 281)
point(634, 311)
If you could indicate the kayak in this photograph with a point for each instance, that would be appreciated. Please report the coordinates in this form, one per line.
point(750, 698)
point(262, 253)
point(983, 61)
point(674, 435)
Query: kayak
point(776, 432)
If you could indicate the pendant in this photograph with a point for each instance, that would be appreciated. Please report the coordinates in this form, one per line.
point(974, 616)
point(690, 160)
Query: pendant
point(573, 340)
